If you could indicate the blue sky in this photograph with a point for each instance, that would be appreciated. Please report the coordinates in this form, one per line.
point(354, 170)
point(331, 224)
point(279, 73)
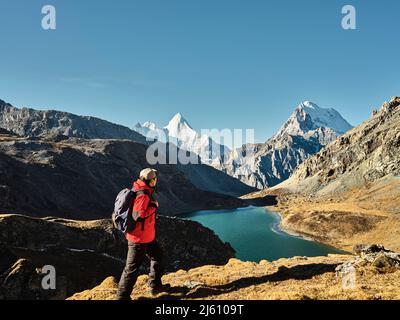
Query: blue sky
point(221, 63)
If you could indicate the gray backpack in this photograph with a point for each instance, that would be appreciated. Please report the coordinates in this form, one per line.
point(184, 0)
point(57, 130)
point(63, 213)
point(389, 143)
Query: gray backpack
point(122, 217)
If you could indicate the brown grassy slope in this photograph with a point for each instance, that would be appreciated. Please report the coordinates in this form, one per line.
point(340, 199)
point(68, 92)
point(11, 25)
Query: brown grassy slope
point(294, 279)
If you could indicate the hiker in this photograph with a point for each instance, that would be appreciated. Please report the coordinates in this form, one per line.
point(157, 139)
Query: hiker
point(142, 239)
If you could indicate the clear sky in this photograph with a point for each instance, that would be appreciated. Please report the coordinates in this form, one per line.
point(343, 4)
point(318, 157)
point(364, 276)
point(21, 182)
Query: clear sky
point(221, 63)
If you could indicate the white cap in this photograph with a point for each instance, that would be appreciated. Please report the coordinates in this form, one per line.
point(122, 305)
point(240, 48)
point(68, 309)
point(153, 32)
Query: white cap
point(148, 174)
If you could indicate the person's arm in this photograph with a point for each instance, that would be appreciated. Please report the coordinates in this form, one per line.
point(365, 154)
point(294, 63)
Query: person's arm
point(143, 207)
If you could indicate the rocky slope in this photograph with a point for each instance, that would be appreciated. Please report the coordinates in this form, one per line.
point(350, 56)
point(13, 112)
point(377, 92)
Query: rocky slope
point(207, 178)
point(349, 192)
point(307, 130)
point(373, 275)
point(39, 123)
point(78, 178)
point(270, 163)
point(86, 252)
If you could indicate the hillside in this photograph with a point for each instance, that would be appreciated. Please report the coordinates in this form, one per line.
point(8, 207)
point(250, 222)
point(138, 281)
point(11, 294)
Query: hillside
point(86, 252)
point(349, 192)
point(300, 278)
point(79, 178)
point(39, 123)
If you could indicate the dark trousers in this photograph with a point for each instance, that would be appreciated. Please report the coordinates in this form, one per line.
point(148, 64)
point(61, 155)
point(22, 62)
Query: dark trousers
point(136, 254)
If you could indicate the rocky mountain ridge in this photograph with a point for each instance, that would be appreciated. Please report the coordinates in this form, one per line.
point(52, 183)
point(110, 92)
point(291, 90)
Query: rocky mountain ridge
point(38, 123)
point(305, 133)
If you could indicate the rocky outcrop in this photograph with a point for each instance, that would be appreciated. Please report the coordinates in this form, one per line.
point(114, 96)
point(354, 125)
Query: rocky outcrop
point(374, 256)
point(85, 252)
point(79, 178)
point(39, 123)
point(23, 281)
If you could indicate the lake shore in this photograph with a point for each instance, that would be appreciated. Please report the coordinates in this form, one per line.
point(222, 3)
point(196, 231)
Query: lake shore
point(340, 224)
point(279, 227)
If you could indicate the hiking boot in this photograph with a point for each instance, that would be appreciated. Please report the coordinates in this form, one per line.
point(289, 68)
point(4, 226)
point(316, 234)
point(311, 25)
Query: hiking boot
point(156, 289)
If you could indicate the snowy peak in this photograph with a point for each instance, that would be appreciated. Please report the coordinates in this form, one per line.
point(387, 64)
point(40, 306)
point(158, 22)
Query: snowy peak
point(178, 124)
point(309, 120)
point(188, 138)
point(150, 125)
point(179, 132)
point(328, 118)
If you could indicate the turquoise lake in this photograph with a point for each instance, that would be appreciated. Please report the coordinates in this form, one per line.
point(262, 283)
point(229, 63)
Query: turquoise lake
point(255, 235)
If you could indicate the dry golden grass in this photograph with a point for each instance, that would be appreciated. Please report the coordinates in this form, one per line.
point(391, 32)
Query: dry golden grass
point(285, 279)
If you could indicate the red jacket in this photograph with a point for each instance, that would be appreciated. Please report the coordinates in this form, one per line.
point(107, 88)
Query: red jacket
point(143, 233)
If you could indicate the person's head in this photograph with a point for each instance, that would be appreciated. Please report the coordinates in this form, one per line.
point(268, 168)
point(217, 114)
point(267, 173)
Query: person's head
point(149, 176)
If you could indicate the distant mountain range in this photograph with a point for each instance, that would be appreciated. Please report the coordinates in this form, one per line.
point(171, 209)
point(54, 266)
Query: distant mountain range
point(73, 166)
point(308, 129)
point(239, 171)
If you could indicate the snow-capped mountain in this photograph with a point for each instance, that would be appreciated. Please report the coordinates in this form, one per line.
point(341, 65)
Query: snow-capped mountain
point(179, 132)
point(309, 120)
point(306, 132)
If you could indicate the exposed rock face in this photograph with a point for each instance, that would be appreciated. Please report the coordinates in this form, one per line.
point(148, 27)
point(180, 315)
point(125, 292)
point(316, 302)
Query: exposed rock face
point(37, 123)
point(307, 130)
point(84, 253)
point(78, 178)
point(364, 155)
point(268, 164)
